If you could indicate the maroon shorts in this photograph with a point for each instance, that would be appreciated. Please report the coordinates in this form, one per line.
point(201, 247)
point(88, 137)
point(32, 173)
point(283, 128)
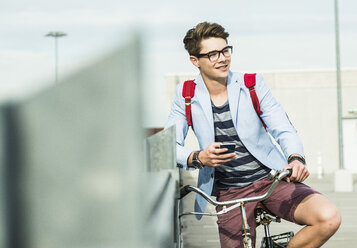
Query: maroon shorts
point(282, 202)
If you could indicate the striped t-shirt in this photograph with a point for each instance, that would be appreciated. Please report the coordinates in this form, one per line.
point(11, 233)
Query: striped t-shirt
point(245, 169)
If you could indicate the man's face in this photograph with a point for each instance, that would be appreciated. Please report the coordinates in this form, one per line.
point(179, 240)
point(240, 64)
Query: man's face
point(210, 68)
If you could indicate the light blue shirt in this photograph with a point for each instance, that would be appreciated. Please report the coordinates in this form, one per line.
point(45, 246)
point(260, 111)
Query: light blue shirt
point(246, 122)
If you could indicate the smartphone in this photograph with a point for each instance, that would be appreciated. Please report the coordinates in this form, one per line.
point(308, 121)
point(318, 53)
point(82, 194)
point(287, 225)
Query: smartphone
point(230, 147)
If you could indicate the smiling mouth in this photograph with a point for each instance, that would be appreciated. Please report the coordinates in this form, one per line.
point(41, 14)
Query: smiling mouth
point(222, 67)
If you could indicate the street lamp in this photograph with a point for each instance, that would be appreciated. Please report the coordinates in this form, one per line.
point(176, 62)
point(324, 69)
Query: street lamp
point(343, 177)
point(56, 35)
point(339, 95)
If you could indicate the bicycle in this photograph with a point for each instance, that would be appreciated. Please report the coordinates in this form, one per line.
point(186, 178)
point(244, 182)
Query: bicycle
point(263, 217)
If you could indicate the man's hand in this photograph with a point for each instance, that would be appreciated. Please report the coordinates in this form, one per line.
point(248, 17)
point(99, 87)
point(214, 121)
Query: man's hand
point(212, 156)
point(300, 172)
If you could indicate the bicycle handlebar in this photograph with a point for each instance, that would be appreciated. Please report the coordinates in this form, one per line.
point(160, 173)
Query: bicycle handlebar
point(273, 175)
point(184, 191)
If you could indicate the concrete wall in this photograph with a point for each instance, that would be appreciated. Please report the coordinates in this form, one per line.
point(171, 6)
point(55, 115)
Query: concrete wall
point(162, 226)
point(310, 99)
point(73, 162)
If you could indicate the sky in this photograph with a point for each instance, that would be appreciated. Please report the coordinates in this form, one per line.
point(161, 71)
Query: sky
point(267, 35)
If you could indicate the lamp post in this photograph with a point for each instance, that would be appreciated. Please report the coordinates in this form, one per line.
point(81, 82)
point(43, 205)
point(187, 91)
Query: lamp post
point(343, 177)
point(56, 35)
point(339, 97)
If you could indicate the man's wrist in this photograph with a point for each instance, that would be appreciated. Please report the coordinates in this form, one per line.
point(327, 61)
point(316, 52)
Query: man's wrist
point(294, 157)
point(196, 163)
point(189, 160)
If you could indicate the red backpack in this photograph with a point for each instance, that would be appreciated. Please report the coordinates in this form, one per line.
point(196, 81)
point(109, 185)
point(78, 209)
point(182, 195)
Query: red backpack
point(188, 92)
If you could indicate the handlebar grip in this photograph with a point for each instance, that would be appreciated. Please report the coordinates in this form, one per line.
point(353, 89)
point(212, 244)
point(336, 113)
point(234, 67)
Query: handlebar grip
point(184, 191)
point(290, 172)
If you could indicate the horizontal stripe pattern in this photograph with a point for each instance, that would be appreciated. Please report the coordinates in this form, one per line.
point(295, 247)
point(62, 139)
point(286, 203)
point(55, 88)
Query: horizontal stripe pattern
point(245, 169)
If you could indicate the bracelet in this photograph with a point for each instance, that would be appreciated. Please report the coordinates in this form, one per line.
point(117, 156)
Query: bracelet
point(294, 157)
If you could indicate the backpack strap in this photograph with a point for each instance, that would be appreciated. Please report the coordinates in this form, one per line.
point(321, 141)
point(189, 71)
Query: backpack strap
point(249, 81)
point(188, 92)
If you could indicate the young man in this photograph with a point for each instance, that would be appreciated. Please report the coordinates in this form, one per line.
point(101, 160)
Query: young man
point(222, 112)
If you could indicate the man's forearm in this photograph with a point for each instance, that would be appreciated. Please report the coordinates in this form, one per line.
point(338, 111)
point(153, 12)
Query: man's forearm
point(189, 160)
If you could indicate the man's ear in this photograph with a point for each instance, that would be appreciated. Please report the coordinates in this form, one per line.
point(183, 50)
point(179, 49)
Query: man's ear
point(194, 61)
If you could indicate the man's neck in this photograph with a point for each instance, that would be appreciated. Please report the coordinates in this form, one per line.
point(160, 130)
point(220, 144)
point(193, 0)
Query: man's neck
point(215, 86)
point(217, 90)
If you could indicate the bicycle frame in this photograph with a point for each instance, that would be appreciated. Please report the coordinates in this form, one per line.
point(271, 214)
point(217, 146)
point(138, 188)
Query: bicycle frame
point(276, 176)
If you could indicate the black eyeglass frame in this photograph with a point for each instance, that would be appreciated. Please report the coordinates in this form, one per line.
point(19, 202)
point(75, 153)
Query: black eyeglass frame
point(200, 55)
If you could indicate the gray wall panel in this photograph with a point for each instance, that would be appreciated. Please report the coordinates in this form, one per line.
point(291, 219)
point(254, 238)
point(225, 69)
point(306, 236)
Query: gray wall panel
point(79, 174)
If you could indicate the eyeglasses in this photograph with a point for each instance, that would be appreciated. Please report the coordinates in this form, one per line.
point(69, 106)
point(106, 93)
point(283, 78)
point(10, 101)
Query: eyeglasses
point(214, 55)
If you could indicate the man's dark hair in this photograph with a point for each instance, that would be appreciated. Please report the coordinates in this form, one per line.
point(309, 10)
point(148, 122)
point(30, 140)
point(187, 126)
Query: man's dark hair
point(203, 30)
